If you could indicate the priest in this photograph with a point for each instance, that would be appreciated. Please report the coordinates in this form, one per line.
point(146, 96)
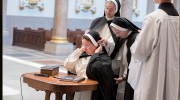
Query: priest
point(157, 48)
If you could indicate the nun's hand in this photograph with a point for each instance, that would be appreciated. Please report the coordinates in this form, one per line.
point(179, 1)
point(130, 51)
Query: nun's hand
point(99, 49)
point(139, 31)
point(82, 49)
point(87, 31)
point(102, 42)
point(118, 80)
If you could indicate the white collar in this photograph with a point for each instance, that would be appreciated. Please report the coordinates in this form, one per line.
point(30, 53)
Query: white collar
point(108, 19)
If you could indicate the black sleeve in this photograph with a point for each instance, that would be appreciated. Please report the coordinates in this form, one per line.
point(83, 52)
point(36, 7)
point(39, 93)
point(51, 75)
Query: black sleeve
point(94, 22)
point(99, 69)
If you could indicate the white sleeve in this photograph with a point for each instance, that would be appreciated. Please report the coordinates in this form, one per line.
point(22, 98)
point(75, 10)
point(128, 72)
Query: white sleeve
point(110, 42)
point(72, 60)
point(125, 72)
point(110, 46)
point(147, 40)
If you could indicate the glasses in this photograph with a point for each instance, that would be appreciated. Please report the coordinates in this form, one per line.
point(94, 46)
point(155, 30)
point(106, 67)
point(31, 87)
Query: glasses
point(116, 33)
point(110, 9)
point(87, 47)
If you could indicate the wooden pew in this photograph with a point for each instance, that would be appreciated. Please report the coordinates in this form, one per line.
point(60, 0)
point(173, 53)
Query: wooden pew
point(40, 28)
point(34, 39)
point(78, 41)
point(72, 35)
point(27, 28)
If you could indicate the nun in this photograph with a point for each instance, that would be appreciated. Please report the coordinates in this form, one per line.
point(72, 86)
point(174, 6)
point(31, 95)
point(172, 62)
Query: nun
point(123, 28)
point(91, 61)
point(127, 31)
point(102, 26)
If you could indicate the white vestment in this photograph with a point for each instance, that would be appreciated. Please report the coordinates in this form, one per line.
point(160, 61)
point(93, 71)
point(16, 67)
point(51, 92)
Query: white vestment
point(158, 50)
point(134, 68)
point(78, 66)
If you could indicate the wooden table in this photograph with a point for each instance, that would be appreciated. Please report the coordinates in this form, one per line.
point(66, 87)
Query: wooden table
point(50, 84)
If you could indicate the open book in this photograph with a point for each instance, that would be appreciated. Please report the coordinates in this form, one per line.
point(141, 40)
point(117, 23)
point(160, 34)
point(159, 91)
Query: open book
point(70, 79)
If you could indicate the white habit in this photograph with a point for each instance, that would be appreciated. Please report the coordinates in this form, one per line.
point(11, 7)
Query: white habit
point(158, 50)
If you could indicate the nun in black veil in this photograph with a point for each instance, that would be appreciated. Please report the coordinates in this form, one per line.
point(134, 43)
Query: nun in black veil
point(91, 61)
point(99, 69)
point(127, 31)
point(123, 28)
point(102, 26)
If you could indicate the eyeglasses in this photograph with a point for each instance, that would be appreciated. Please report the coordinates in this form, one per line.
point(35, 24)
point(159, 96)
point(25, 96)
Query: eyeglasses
point(87, 47)
point(116, 33)
point(110, 9)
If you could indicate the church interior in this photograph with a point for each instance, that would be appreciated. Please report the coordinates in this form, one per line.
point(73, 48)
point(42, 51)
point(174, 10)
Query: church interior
point(44, 32)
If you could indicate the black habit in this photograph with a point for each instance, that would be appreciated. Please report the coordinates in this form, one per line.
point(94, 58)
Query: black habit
point(126, 24)
point(98, 22)
point(99, 69)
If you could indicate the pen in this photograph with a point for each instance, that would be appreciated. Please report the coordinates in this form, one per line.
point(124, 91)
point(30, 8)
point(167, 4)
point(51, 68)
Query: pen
point(57, 77)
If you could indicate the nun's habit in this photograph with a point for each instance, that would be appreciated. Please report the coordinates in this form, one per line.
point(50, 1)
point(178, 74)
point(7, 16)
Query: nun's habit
point(99, 69)
point(102, 26)
point(96, 67)
point(125, 91)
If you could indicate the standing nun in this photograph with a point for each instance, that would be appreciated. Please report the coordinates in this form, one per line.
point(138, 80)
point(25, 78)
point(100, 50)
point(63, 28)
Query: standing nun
point(102, 26)
point(127, 31)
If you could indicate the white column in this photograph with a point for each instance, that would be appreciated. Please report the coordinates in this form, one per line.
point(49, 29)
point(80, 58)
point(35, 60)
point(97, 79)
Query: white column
point(127, 9)
point(150, 6)
point(59, 45)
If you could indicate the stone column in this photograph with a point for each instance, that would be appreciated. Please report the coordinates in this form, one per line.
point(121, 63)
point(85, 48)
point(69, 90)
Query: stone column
point(176, 5)
point(127, 9)
point(150, 6)
point(60, 22)
point(59, 45)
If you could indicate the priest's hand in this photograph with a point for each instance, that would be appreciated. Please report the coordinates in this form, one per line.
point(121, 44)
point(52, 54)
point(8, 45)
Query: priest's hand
point(118, 80)
point(139, 31)
point(99, 49)
point(87, 31)
point(102, 42)
point(82, 49)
